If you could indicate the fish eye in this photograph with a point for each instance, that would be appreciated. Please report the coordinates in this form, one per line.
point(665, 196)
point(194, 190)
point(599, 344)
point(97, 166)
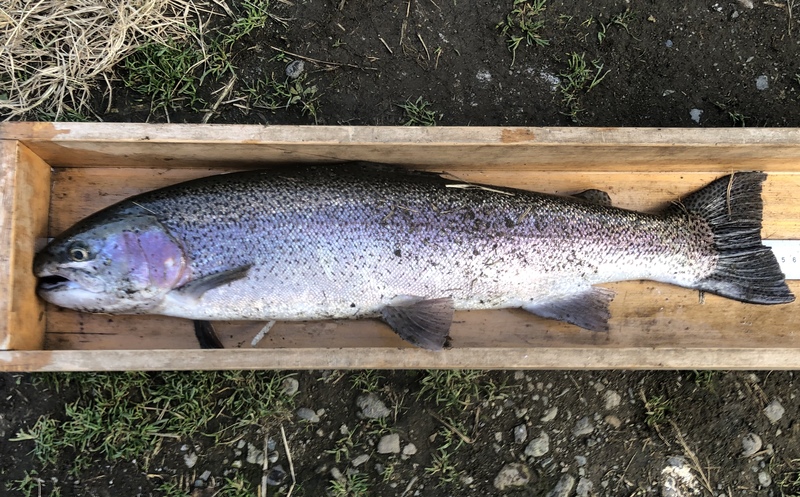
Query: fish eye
point(78, 252)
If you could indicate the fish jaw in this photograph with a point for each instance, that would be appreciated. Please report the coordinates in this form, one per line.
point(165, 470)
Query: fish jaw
point(124, 266)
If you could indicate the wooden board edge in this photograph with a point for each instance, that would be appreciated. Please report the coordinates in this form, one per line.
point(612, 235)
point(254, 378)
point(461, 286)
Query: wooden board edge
point(26, 201)
point(455, 135)
point(395, 358)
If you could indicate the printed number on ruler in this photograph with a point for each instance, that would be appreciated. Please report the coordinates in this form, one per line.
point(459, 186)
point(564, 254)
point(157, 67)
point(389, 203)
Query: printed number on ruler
point(788, 254)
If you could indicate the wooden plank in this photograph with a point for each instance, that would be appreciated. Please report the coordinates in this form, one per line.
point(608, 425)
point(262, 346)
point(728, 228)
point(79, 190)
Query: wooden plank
point(25, 187)
point(582, 358)
point(603, 149)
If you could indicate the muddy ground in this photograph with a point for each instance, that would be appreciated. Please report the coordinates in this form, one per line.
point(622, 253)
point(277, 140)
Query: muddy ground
point(685, 64)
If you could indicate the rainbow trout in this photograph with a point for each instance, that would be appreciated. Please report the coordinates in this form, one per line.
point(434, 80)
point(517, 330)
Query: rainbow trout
point(361, 240)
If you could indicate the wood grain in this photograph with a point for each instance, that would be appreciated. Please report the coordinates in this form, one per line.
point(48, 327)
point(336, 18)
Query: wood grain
point(25, 186)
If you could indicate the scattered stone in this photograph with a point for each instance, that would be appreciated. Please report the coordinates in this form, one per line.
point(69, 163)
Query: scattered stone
point(236, 464)
point(205, 475)
point(240, 444)
point(677, 479)
point(764, 479)
point(498, 436)
point(290, 386)
point(538, 446)
point(613, 421)
point(762, 83)
point(484, 76)
point(695, 115)
point(512, 475)
point(184, 448)
point(190, 458)
point(409, 450)
point(774, 411)
point(564, 487)
point(584, 488)
point(466, 480)
point(307, 414)
point(254, 455)
point(336, 474)
point(372, 407)
point(668, 43)
point(295, 69)
point(580, 461)
point(198, 483)
point(520, 433)
point(358, 461)
point(389, 444)
point(612, 399)
point(746, 4)
point(751, 444)
point(584, 426)
point(276, 476)
point(549, 415)
point(273, 456)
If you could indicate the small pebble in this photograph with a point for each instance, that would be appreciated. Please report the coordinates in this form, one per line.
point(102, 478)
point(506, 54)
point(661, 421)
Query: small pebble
point(564, 487)
point(389, 444)
point(762, 83)
point(307, 414)
point(520, 433)
point(613, 421)
point(254, 455)
point(236, 464)
point(538, 446)
point(273, 456)
point(668, 43)
point(751, 444)
point(764, 479)
point(290, 386)
point(358, 461)
point(580, 461)
point(372, 407)
point(190, 459)
point(583, 427)
point(409, 450)
point(549, 415)
point(336, 474)
point(295, 69)
point(512, 475)
point(205, 475)
point(746, 4)
point(276, 476)
point(584, 488)
point(612, 399)
point(695, 115)
point(774, 411)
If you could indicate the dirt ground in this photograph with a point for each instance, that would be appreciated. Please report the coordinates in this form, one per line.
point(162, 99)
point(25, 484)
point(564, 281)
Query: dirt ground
point(670, 64)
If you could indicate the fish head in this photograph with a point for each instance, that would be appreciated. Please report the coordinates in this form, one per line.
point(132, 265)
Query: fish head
point(123, 265)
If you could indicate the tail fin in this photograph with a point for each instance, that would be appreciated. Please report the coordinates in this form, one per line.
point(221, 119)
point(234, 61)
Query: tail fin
point(747, 270)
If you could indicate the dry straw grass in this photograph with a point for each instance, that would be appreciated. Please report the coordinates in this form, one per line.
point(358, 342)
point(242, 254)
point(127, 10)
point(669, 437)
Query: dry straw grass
point(54, 53)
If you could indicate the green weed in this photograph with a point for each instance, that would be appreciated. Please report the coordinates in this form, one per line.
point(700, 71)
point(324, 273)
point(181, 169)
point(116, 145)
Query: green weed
point(237, 486)
point(367, 381)
point(121, 416)
point(620, 20)
point(419, 113)
point(344, 446)
point(271, 94)
point(523, 24)
point(172, 489)
point(581, 77)
point(29, 484)
point(656, 409)
point(355, 485)
point(787, 477)
point(443, 465)
point(166, 74)
point(458, 389)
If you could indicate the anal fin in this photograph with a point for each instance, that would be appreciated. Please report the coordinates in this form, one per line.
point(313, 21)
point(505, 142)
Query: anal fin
point(422, 322)
point(588, 309)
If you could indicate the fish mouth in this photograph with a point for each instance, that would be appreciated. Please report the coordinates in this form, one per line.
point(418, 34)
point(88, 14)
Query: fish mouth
point(53, 282)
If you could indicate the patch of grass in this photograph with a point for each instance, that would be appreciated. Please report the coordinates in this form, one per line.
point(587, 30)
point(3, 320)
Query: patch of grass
point(172, 489)
point(523, 23)
point(237, 486)
point(254, 15)
point(165, 73)
point(620, 20)
point(344, 446)
point(581, 77)
point(29, 485)
point(419, 113)
point(656, 409)
point(355, 485)
point(367, 381)
point(273, 94)
point(786, 477)
point(443, 465)
point(458, 389)
point(121, 416)
point(704, 379)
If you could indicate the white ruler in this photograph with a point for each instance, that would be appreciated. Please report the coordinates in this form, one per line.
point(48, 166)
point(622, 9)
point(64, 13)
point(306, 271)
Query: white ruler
point(788, 254)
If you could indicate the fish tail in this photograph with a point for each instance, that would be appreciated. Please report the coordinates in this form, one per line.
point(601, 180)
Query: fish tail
point(746, 270)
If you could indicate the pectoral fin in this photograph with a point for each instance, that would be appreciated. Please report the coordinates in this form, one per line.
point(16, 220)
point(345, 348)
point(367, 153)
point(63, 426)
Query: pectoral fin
point(422, 322)
point(196, 288)
point(588, 309)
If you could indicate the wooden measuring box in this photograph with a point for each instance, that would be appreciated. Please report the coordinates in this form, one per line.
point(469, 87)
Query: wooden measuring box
point(54, 174)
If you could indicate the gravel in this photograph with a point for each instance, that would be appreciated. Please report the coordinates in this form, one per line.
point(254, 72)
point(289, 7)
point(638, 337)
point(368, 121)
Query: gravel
point(563, 488)
point(520, 434)
point(290, 386)
point(389, 444)
point(583, 427)
point(539, 446)
point(612, 399)
point(774, 411)
point(307, 414)
point(751, 444)
point(372, 407)
point(512, 475)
